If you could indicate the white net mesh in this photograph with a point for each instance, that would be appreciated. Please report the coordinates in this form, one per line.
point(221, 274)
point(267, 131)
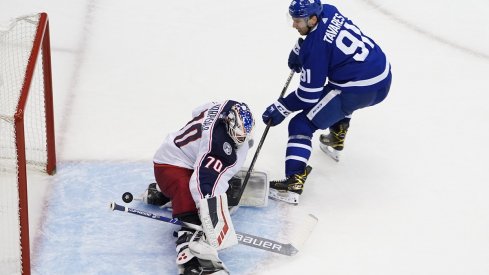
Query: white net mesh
point(16, 41)
point(15, 49)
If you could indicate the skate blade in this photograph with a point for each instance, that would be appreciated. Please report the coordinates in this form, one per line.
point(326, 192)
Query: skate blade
point(332, 153)
point(285, 196)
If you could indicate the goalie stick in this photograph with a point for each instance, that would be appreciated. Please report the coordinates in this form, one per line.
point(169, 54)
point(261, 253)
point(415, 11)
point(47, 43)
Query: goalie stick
point(286, 249)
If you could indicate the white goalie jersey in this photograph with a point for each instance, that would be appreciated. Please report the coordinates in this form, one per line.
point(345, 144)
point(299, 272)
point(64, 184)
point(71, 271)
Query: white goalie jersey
point(204, 146)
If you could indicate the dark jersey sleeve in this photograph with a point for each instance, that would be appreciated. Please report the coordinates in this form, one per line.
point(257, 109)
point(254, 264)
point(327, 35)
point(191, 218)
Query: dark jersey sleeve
point(219, 160)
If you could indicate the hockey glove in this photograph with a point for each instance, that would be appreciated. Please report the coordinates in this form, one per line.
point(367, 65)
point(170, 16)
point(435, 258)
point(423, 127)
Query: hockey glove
point(294, 62)
point(275, 113)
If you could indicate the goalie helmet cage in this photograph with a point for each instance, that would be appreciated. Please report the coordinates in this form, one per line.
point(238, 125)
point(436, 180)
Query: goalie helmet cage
point(26, 129)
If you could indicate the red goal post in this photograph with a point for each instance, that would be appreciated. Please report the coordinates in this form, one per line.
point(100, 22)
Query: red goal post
point(26, 124)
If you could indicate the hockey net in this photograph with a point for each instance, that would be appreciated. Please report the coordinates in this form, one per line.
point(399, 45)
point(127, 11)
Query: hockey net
point(26, 130)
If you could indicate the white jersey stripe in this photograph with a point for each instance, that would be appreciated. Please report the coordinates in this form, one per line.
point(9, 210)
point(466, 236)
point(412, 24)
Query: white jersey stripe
point(305, 99)
point(301, 159)
point(300, 137)
point(366, 82)
point(318, 107)
point(311, 90)
point(299, 145)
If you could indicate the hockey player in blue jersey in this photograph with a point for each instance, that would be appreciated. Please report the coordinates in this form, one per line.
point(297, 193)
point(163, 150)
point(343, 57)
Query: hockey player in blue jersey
point(342, 70)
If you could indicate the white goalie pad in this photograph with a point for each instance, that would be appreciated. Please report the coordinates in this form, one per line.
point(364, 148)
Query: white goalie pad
point(256, 191)
point(206, 254)
point(216, 222)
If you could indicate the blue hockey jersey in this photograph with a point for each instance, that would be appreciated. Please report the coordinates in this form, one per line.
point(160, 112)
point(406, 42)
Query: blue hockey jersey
point(336, 52)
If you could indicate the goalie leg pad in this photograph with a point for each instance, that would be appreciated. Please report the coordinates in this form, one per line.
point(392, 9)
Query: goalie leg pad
point(216, 222)
point(206, 254)
point(184, 255)
point(195, 255)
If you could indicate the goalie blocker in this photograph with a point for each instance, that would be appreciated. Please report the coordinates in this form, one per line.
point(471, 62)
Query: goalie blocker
point(255, 193)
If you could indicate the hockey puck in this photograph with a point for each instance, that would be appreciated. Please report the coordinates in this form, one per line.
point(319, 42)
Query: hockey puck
point(127, 197)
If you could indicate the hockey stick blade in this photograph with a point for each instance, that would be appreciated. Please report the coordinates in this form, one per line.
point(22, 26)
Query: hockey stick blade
point(269, 245)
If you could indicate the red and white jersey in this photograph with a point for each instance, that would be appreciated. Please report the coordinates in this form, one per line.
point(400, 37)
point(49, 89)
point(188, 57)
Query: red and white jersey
point(204, 146)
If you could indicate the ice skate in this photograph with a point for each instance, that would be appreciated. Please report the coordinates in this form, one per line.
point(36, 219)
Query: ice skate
point(289, 189)
point(326, 148)
point(193, 267)
point(333, 143)
point(196, 256)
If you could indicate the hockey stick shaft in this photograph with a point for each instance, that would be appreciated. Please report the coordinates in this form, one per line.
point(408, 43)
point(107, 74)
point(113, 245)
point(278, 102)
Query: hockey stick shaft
point(115, 206)
point(243, 238)
point(262, 140)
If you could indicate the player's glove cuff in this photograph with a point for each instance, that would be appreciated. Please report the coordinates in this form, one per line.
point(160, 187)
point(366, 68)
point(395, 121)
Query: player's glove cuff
point(294, 61)
point(297, 47)
point(282, 108)
point(275, 113)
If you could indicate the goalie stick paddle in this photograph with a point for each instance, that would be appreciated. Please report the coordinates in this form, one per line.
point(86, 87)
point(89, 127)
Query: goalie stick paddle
point(258, 148)
point(286, 249)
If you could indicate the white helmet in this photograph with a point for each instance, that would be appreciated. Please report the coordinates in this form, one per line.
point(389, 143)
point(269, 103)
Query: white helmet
point(240, 122)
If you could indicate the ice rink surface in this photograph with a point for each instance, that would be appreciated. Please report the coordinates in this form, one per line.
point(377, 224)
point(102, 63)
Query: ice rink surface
point(80, 235)
point(408, 197)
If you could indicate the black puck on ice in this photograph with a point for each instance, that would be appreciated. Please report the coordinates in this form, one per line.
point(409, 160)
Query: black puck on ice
point(127, 197)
